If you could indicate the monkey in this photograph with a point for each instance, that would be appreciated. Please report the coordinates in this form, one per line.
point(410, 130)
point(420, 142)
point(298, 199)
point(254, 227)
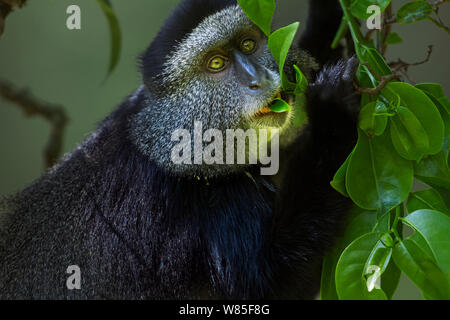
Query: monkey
point(139, 226)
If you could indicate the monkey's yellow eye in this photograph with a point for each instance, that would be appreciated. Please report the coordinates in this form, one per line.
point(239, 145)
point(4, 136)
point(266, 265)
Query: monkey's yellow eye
point(217, 63)
point(248, 46)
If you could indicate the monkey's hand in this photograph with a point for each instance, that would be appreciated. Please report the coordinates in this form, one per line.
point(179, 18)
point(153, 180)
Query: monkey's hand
point(332, 105)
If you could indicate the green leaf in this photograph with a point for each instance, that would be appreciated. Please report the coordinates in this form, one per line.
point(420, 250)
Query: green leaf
point(279, 44)
point(445, 194)
point(392, 101)
point(387, 240)
point(352, 268)
point(434, 89)
point(436, 94)
point(383, 222)
point(366, 80)
point(340, 34)
point(380, 255)
point(299, 111)
point(375, 60)
point(280, 106)
point(353, 26)
point(380, 258)
point(434, 226)
point(377, 177)
point(361, 223)
point(116, 36)
point(446, 118)
point(426, 199)
point(424, 110)
point(393, 38)
point(390, 279)
point(302, 82)
point(408, 136)
point(421, 269)
point(420, 240)
point(434, 171)
point(260, 12)
point(359, 7)
point(414, 11)
point(371, 122)
point(338, 182)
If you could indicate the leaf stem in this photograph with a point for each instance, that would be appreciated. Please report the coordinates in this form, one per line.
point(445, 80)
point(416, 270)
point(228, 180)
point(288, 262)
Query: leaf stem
point(54, 114)
point(358, 38)
point(440, 25)
point(341, 33)
point(398, 214)
point(384, 81)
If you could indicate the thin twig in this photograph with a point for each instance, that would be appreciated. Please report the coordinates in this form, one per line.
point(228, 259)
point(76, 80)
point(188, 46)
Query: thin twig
point(439, 21)
point(371, 70)
point(437, 3)
point(387, 28)
point(391, 20)
point(370, 34)
point(406, 75)
point(384, 81)
point(439, 24)
point(54, 114)
point(6, 6)
point(402, 65)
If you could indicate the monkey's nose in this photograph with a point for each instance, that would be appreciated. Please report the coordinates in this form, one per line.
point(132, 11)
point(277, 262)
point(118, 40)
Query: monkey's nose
point(260, 81)
point(251, 74)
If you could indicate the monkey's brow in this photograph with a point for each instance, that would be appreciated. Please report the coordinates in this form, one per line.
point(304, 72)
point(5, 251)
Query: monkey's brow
point(213, 32)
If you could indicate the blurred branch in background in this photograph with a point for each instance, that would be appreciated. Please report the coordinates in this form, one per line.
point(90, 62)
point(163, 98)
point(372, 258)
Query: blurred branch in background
point(6, 6)
point(32, 106)
point(403, 66)
point(54, 114)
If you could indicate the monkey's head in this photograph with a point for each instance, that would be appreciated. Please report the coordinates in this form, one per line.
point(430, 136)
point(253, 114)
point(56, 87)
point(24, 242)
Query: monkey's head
point(209, 64)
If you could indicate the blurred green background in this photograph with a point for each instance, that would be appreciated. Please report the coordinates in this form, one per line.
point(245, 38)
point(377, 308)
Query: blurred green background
point(68, 67)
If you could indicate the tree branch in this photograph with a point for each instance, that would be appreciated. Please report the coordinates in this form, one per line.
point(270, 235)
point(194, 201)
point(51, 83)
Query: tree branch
point(402, 65)
point(54, 114)
point(6, 6)
point(439, 24)
point(375, 91)
point(437, 3)
point(387, 28)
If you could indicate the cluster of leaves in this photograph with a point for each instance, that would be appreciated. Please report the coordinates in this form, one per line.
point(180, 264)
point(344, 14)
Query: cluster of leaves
point(261, 13)
point(404, 133)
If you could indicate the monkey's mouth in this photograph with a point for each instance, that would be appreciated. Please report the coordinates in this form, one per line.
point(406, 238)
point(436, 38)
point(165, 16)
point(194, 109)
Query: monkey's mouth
point(267, 111)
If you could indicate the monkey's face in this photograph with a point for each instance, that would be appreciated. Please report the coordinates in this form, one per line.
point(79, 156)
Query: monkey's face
point(221, 74)
point(224, 75)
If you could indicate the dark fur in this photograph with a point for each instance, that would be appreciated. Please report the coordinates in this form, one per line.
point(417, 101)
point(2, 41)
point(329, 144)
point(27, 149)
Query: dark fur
point(324, 19)
point(138, 233)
